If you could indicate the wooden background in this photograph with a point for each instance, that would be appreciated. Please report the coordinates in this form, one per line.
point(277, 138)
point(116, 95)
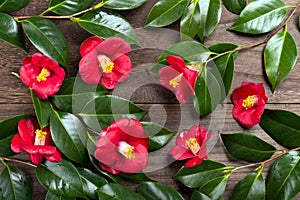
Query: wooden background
point(15, 98)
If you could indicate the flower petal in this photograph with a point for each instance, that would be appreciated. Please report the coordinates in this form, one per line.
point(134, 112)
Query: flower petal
point(26, 130)
point(109, 169)
point(193, 162)
point(166, 74)
point(114, 47)
point(181, 153)
point(184, 91)
point(89, 69)
point(16, 143)
point(89, 44)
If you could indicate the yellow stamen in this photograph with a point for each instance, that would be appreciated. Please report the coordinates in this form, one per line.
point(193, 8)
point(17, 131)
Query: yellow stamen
point(44, 74)
point(126, 150)
point(40, 137)
point(193, 145)
point(175, 81)
point(249, 102)
point(105, 63)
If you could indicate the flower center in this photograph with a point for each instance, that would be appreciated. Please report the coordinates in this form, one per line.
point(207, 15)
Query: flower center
point(44, 74)
point(105, 63)
point(193, 145)
point(40, 137)
point(249, 102)
point(126, 150)
point(175, 81)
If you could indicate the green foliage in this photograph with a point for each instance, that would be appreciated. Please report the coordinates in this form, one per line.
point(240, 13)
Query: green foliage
point(68, 7)
point(215, 187)
point(123, 4)
point(12, 5)
point(235, 6)
point(190, 21)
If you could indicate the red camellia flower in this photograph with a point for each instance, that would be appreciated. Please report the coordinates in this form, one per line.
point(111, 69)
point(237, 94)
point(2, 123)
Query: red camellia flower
point(42, 74)
point(179, 77)
point(191, 144)
point(104, 62)
point(249, 103)
point(36, 142)
point(123, 146)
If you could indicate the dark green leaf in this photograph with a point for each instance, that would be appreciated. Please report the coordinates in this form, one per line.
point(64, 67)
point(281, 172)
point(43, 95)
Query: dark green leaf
point(280, 56)
point(12, 5)
point(165, 12)
point(215, 187)
point(103, 110)
point(199, 196)
point(5, 149)
point(283, 178)
point(235, 6)
point(260, 17)
point(158, 191)
point(118, 192)
point(196, 177)
point(42, 110)
point(69, 135)
point(60, 178)
point(123, 4)
point(190, 21)
point(207, 93)
point(250, 187)
point(74, 93)
point(10, 31)
point(283, 126)
point(68, 7)
point(210, 14)
point(51, 196)
point(14, 185)
point(247, 147)
point(47, 38)
point(106, 25)
point(136, 177)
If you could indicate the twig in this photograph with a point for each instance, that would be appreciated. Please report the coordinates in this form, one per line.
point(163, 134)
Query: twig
point(18, 161)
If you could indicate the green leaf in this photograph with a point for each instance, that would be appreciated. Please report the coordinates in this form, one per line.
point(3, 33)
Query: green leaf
point(260, 16)
point(210, 14)
point(60, 178)
point(102, 111)
point(283, 178)
point(196, 177)
point(283, 126)
point(12, 5)
point(158, 191)
point(106, 25)
point(118, 192)
point(165, 12)
point(47, 38)
point(51, 196)
point(123, 4)
point(250, 187)
point(68, 7)
point(14, 185)
point(10, 31)
point(136, 177)
point(215, 187)
point(235, 6)
point(74, 93)
point(91, 182)
point(69, 135)
point(244, 146)
point(42, 110)
point(158, 135)
point(280, 56)
point(190, 21)
point(207, 93)
point(197, 195)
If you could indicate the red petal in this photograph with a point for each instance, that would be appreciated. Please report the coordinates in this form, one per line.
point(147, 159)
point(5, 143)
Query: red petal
point(108, 83)
point(193, 162)
point(36, 158)
point(28, 74)
point(89, 44)
point(27, 60)
point(109, 169)
point(176, 62)
point(26, 130)
point(180, 153)
point(106, 155)
point(166, 74)
point(55, 157)
point(114, 47)
point(16, 144)
point(89, 69)
point(184, 91)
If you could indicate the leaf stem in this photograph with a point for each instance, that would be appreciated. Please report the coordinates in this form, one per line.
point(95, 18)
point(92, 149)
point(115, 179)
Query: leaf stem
point(17, 161)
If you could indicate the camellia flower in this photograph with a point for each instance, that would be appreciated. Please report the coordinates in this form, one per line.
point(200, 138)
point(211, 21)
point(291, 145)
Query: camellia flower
point(104, 62)
point(36, 142)
point(191, 144)
point(179, 77)
point(249, 103)
point(123, 146)
point(42, 74)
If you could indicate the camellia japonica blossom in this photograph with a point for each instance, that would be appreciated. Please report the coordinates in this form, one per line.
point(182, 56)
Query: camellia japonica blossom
point(249, 103)
point(36, 142)
point(104, 62)
point(123, 146)
point(42, 74)
point(191, 144)
point(179, 77)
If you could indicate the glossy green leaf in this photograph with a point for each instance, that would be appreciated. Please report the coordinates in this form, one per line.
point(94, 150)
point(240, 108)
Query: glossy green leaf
point(136, 177)
point(42, 110)
point(47, 38)
point(235, 6)
point(12, 5)
point(210, 14)
point(69, 135)
point(207, 93)
point(106, 25)
point(215, 188)
point(283, 126)
point(51, 196)
point(102, 111)
point(260, 16)
point(250, 187)
point(123, 4)
point(10, 31)
point(283, 178)
point(196, 177)
point(158, 191)
point(74, 93)
point(244, 146)
point(61, 178)
point(68, 7)
point(197, 195)
point(118, 192)
point(190, 21)
point(280, 56)
point(91, 181)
